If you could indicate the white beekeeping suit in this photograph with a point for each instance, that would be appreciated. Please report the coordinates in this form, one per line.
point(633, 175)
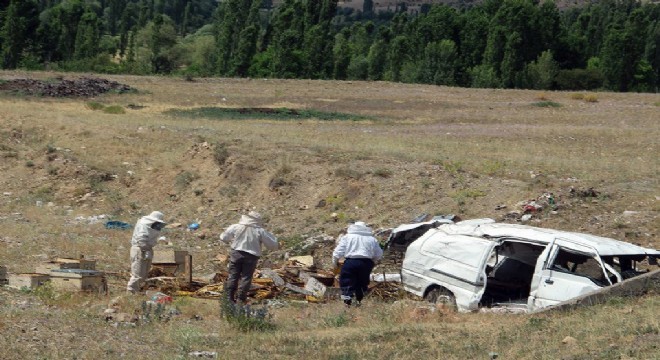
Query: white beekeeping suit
point(246, 239)
point(145, 237)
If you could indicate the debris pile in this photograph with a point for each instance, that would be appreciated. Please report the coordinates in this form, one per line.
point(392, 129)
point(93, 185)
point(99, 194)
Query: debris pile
point(82, 87)
point(298, 279)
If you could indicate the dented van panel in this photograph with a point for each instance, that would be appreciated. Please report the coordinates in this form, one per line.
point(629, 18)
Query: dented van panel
point(480, 263)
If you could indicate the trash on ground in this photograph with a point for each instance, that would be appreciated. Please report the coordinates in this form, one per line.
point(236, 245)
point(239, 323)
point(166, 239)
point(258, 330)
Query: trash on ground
point(120, 225)
point(159, 297)
point(382, 277)
point(204, 354)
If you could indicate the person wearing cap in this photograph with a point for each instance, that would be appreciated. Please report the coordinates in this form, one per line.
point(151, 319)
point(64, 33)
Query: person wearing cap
point(145, 237)
point(360, 250)
point(246, 239)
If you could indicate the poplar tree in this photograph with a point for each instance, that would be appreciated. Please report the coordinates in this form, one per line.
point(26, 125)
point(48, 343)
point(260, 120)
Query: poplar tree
point(18, 29)
point(87, 36)
point(246, 46)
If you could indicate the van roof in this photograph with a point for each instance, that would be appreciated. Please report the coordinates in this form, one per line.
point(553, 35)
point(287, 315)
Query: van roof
point(604, 246)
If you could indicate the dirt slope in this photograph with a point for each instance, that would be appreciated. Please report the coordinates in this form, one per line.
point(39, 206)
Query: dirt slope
point(425, 150)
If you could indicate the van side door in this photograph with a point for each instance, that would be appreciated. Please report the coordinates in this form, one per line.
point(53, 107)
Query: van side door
point(568, 271)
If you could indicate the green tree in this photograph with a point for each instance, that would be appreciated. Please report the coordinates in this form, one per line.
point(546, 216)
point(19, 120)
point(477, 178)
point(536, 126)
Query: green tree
point(358, 68)
point(19, 26)
point(341, 55)
point(439, 23)
point(238, 30)
point(376, 60)
point(484, 76)
point(69, 14)
point(319, 38)
point(288, 60)
point(473, 36)
point(130, 54)
point(439, 63)
point(114, 12)
point(541, 74)
point(652, 53)
point(397, 55)
point(247, 42)
point(622, 51)
point(159, 38)
point(514, 39)
point(360, 37)
point(185, 24)
point(87, 36)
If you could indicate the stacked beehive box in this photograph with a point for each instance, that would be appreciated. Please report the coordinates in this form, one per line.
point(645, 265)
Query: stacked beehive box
point(78, 280)
point(170, 262)
point(27, 280)
point(63, 274)
point(74, 274)
point(66, 263)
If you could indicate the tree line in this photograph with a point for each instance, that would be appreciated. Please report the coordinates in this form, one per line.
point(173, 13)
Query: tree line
point(610, 44)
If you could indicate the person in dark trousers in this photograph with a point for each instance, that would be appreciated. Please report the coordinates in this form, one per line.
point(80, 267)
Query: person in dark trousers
point(360, 251)
point(246, 239)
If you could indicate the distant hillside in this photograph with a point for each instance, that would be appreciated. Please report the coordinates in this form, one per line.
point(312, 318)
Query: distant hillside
point(416, 6)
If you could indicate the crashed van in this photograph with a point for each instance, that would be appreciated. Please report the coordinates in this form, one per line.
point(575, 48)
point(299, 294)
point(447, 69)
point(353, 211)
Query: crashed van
point(479, 263)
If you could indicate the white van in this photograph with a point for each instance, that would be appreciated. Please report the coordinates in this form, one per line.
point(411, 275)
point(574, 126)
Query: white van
point(480, 263)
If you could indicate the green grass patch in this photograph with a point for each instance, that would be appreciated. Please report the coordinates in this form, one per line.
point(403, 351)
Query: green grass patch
point(114, 109)
point(262, 113)
point(246, 318)
point(93, 105)
point(546, 104)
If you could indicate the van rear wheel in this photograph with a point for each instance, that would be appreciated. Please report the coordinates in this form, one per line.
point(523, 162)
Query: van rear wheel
point(441, 296)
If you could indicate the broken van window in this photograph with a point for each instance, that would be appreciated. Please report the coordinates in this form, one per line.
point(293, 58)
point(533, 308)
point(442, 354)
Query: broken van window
point(626, 265)
point(579, 264)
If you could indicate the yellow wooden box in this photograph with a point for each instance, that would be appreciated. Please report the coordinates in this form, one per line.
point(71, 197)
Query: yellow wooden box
point(170, 257)
point(167, 256)
point(78, 280)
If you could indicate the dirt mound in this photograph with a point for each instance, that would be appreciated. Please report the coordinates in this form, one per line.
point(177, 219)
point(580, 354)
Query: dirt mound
point(83, 87)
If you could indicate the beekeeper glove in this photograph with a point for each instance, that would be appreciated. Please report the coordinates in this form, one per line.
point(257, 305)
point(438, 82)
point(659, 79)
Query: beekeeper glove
point(147, 254)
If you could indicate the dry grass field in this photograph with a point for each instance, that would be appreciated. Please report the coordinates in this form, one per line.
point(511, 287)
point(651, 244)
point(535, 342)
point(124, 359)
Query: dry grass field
point(403, 150)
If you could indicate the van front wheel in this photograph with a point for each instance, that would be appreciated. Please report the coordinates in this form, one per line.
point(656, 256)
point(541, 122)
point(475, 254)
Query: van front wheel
point(441, 296)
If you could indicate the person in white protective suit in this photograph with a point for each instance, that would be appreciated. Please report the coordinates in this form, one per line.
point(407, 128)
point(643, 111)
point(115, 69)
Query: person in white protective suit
point(246, 239)
point(145, 237)
point(360, 250)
